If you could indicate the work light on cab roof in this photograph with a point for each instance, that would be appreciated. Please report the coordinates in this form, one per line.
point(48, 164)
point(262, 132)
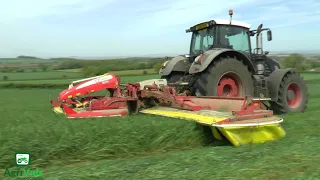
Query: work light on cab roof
point(211, 23)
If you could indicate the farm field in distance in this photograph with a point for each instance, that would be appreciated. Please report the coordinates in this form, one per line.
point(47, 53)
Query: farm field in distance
point(124, 79)
point(142, 146)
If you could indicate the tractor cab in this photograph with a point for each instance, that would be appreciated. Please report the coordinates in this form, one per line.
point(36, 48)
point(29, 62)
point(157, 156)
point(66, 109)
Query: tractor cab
point(219, 35)
point(221, 62)
point(235, 35)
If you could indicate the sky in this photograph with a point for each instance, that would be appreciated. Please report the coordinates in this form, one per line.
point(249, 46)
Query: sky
point(99, 28)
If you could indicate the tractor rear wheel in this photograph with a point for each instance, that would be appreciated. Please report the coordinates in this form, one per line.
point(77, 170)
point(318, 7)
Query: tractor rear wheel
point(292, 95)
point(226, 77)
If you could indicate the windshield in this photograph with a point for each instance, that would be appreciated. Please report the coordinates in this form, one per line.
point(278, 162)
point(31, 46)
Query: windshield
point(234, 37)
point(220, 36)
point(202, 40)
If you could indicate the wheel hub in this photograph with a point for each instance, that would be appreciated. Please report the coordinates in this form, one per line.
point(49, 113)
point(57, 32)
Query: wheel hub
point(294, 96)
point(227, 87)
point(290, 95)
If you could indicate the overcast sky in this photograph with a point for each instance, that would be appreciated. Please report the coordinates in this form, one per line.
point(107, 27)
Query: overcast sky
point(48, 28)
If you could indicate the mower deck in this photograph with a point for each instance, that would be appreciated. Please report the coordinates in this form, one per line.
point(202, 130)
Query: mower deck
point(248, 131)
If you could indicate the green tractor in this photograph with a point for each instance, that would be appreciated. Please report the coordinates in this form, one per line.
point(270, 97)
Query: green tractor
point(221, 62)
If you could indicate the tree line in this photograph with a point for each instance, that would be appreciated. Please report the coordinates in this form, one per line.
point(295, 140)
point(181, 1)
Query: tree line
point(96, 67)
point(299, 62)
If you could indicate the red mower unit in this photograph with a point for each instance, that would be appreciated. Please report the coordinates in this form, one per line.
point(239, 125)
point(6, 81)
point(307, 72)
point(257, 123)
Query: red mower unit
point(76, 104)
point(226, 116)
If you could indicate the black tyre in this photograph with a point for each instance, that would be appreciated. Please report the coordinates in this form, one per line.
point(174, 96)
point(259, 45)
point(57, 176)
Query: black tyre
point(173, 76)
point(292, 95)
point(225, 77)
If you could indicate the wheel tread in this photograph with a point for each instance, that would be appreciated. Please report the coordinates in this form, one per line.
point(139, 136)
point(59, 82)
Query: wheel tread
point(200, 84)
point(278, 106)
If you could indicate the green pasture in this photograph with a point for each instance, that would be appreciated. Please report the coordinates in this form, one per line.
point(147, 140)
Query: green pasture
point(148, 147)
point(38, 75)
point(118, 73)
point(62, 76)
point(24, 61)
point(124, 79)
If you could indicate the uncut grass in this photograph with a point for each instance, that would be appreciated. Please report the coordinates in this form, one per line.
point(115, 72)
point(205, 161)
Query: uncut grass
point(293, 157)
point(296, 156)
point(29, 125)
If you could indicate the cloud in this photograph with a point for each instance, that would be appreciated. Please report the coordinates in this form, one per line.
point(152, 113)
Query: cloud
point(24, 9)
point(79, 27)
point(188, 12)
point(288, 13)
point(275, 13)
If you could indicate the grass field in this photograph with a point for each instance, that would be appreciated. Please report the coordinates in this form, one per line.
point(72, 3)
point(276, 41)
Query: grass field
point(148, 147)
point(310, 76)
point(24, 61)
point(62, 76)
point(118, 73)
point(125, 79)
point(39, 75)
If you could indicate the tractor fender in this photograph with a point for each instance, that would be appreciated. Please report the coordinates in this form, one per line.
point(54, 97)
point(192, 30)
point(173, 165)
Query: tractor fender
point(178, 63)
point(273, 64)
point(215, 54)
point(274, 81)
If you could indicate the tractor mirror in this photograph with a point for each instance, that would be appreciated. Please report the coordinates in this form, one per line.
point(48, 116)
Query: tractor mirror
point(269, 35)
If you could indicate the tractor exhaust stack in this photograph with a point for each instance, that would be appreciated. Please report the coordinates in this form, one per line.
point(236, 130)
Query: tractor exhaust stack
point(259, 40)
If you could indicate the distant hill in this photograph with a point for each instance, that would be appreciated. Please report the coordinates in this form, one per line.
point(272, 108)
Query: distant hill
point(311, 52)
point(296, 51)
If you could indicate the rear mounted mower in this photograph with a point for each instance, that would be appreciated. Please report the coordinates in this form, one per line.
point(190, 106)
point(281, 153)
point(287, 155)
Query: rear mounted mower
point(241, 120)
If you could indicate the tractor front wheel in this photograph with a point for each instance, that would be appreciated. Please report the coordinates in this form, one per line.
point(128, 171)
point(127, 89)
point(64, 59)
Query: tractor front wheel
point(173, 76)
point(227, 77)
point(292, 95)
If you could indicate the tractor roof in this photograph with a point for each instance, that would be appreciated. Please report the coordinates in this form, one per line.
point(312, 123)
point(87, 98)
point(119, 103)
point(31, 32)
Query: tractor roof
point(227, 22)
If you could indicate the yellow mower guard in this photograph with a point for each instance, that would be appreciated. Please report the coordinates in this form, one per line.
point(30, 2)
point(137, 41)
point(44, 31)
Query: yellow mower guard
point(240, 135)
point(236, 134)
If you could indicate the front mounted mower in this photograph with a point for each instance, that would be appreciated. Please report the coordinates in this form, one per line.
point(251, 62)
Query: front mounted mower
point(241, 120)
point(221, 62)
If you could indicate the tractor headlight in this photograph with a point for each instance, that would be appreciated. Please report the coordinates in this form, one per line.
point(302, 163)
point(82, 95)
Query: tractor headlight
point(198, 59)
point(164, 64)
